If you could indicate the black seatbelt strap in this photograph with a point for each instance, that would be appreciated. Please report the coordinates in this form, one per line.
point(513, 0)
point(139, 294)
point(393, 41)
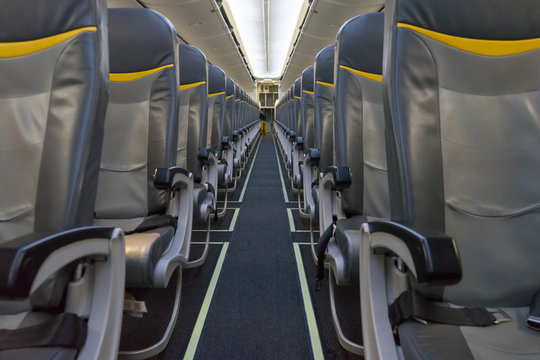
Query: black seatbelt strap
point(411, 305)
point(322, 244)
point(155, 222)
point(64, 330)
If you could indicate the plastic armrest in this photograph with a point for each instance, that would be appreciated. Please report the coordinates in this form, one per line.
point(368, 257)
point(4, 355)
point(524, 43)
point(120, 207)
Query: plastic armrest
point(292, 136)
point(314, 156)
point(235, 135)
point(225, 143)
point(341, 176)
point(21, 258)
point(433, 260)
point(169, 179)
point(300, 143)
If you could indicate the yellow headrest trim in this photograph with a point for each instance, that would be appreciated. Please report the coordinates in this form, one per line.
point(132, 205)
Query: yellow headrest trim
point(122, 77)
point(189, 86)
point(20, 48)
point(371, 76)
point(325, 83)
point(308, 92)
point(478, 46)
point(216, 94)
point(230, 96)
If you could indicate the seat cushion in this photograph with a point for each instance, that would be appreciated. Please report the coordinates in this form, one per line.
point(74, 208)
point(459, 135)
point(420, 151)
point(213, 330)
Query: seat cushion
point(143, 251)
point(347, 244)
point(510, 340)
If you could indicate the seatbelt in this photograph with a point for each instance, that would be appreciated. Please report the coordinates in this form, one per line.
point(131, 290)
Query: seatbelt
point(322, 244)
point(155, 222)
point(64, 330)
point(412, 305)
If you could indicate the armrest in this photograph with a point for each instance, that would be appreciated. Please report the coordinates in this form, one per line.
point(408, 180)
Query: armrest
point(21, 258)
point(225, 143)
point(314, 156)
point(341, 176)
point(433, 260)
point(292, 136)
point(168, 179)
point(204, 155)
point(235, 135)
point(300, 143)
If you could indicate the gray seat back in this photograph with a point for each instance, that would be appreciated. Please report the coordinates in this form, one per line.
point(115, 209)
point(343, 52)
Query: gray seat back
point(464, 137)
point(140, 126)
point(324, 105)
point(53, 99)
point(216, 105)
point(297, 125)
point(358, 115)
point(227, 127)
point(307, 108)
point(237, 108)
point(193, 112)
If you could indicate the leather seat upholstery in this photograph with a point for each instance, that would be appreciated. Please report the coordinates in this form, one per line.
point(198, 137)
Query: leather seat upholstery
point(360, 129)
point(140, 134)
point(216, 106)
point(462, 86)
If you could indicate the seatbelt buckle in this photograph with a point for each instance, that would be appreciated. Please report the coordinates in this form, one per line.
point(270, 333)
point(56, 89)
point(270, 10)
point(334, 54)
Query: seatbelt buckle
point(499, 316)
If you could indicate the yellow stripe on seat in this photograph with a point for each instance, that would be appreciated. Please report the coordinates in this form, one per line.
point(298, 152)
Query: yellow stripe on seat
point(121, 77)
point(189, 86)
point(297, 97)
point(478, 46)
point(308, 92)
point(324, 83)
point(230, 96)
point(216, 94)
point(371, 76)
point(20, 48)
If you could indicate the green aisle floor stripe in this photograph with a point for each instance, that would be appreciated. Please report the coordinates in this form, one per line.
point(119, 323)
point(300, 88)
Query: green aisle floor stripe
point(249, 173)
point(316, 346)
point(291, 220)
point(197, 331)
point(234, 218)
point(285, 196)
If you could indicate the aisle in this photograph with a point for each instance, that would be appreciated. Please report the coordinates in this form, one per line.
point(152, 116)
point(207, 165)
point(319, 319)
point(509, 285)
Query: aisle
point(257, 309)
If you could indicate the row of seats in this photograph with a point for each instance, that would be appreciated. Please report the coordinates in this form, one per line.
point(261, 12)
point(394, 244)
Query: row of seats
point(419, 167)
point(115, 139)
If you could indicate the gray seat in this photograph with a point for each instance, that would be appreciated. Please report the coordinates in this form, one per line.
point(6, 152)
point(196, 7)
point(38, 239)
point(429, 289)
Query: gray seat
point(193, 115)
point(227, 135)
point(323, 88)
point(297, 126)
point(141, 137)
point(461, 88)
point(308, 170)
point(53, 97)
point(216, 106)
point(359, 135)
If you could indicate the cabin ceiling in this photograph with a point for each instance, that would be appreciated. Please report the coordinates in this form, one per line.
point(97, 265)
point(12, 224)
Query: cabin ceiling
point(198, 22)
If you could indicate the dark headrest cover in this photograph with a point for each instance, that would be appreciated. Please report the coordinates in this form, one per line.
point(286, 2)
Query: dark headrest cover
point(139, 39)
point(324, 65)
point(297, 91)
point(230, 86)
point(193, 64)
point(216, 79)
point(359, 43)
point(477, 19)
point(23, 20)
point(307, 79)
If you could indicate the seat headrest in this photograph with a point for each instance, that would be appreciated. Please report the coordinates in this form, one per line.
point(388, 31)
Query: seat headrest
point(229, 87)
point(193, 65)
point(216, 79)
point(324, 65)
point(297, 90)
point(499, 19)
point(39, 19)
point(139, 40)
point(307, 79)
point(237, 90)
point(360, 33)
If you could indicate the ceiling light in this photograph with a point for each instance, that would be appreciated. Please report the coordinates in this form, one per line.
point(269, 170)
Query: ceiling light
point(266, 30)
